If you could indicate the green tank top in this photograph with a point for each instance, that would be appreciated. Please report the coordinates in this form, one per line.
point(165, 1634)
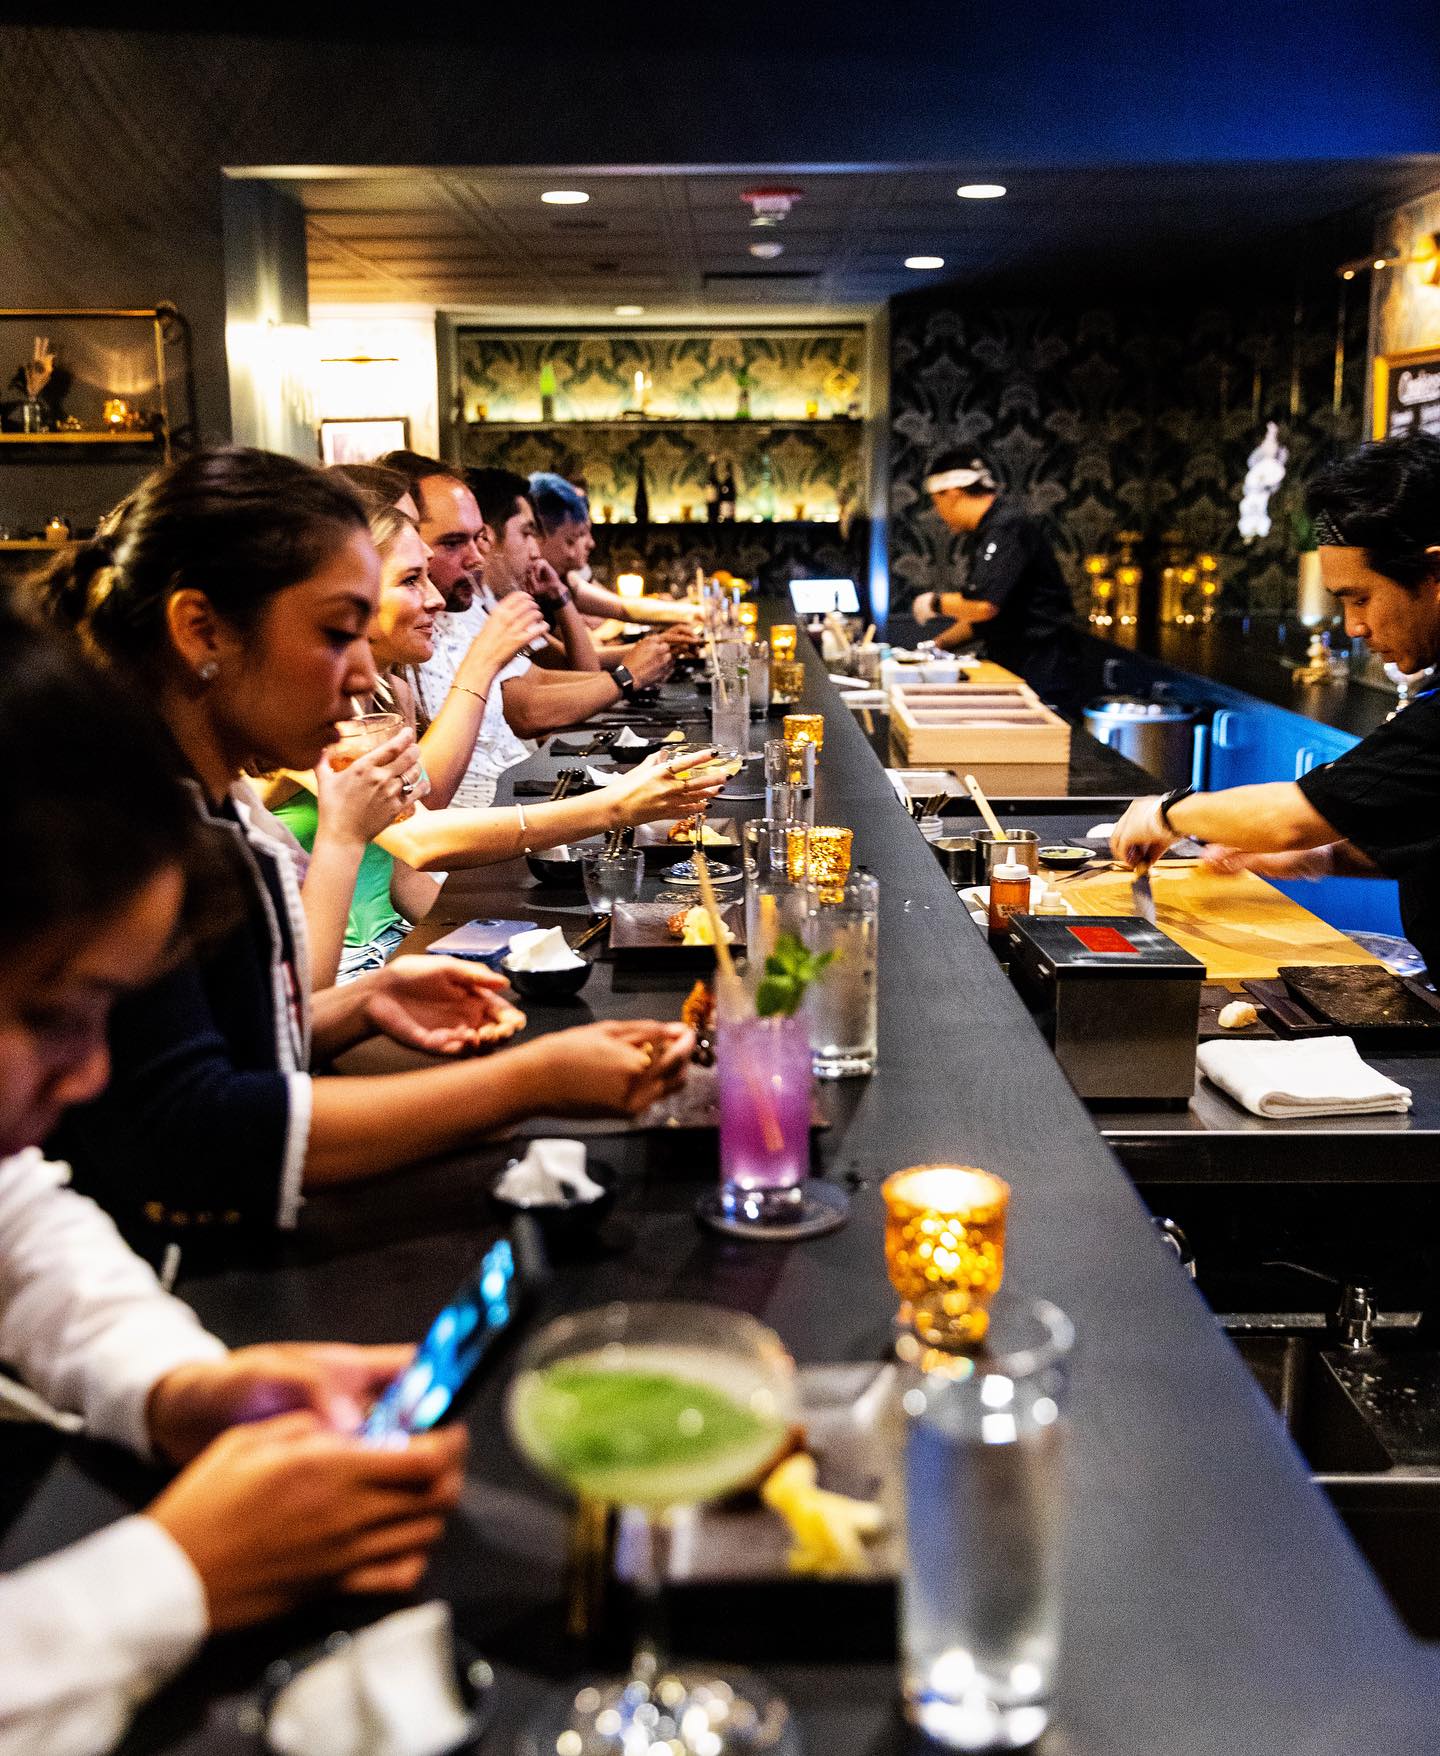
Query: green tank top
point(371, 910)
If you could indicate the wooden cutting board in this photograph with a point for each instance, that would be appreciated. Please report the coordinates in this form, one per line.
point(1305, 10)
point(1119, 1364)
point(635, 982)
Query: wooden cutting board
point(1242, 928)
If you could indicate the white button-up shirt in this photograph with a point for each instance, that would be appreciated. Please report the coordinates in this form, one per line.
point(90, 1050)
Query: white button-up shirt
point(497, 748)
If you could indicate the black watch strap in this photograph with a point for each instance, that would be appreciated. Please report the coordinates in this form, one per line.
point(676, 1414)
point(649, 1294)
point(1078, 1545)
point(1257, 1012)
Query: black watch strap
point(624, 681)
point(1172, 798)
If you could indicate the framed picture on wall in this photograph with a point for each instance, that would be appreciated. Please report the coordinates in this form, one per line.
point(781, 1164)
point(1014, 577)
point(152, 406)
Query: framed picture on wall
point(360, 441)
point(1407, 393)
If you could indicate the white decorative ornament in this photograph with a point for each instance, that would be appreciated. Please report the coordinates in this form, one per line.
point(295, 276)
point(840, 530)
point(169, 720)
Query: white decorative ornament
point(1264, 474)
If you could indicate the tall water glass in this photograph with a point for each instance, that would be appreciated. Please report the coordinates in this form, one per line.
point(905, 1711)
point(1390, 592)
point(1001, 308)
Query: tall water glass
point(775, 902)
point(790, 782)
point(985, 1510)
point(841, 1001)
point(759, 655)
point(730, 699)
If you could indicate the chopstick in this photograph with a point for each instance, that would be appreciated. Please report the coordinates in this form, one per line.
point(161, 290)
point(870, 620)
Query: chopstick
point(992, 822)
point(595, 931)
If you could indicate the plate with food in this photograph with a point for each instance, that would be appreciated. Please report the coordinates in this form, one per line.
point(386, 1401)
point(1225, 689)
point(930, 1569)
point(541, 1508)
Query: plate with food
point(679, 935)
point(672, 838)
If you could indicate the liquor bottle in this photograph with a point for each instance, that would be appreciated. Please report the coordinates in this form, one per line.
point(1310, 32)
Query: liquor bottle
point(765, 493)
point(743, 381)
point(712, 492)
point(547, 392)
point(642, 493)
point(727, 492)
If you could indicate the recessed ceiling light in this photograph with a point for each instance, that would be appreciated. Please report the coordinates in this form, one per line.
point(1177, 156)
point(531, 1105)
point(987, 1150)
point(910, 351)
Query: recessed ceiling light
point(767, 252)
point(565, 197)
point(980, 191)
point(629, 310)
point(924, 262)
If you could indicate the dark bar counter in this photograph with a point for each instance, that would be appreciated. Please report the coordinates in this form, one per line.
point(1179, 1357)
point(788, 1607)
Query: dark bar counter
point(1214, 1604)
point(1233, 661)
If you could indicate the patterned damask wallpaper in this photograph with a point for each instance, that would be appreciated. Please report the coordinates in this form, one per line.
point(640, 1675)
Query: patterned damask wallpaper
point(815, 463)
point(1108, 416)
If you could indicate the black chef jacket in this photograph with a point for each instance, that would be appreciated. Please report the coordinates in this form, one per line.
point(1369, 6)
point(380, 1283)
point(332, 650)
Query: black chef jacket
point(1384, 795)
point(1012, 566)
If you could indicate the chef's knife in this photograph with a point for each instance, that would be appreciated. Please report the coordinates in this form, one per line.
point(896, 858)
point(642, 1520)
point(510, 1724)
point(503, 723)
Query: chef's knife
point(1142, 897)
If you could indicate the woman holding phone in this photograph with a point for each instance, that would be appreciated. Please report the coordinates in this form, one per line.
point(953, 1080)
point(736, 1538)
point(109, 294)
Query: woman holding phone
point(278, 1498)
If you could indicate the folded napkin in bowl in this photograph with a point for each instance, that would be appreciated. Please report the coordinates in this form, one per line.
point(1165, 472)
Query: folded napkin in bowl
point(541, 948)
point(388, 1691)
point(1317, 1076)
point(551, 1174)
point(602, 777)
point(627, 740)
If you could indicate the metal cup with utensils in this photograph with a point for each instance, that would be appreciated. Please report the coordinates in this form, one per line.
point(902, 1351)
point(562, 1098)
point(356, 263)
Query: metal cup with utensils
point(1019, 846)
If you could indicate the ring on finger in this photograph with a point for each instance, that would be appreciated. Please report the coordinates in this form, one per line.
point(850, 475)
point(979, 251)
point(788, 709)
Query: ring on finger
point(406, 788)
point(648, 1051)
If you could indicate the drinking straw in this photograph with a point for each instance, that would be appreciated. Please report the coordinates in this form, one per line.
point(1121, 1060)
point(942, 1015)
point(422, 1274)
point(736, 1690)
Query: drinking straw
point(733, 989)
point(869, 635)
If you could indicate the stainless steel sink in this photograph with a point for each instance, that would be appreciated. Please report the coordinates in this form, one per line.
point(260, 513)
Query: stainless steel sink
point(1367, 1421)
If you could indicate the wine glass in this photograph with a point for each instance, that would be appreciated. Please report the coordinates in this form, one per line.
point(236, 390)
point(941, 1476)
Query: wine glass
point(649, 1408)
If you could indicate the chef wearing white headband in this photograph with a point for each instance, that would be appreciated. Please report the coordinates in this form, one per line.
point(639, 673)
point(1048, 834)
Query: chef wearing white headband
point(1014, 596)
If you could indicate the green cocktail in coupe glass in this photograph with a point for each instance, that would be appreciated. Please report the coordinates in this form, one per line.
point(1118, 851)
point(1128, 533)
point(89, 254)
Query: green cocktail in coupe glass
point(650, 1408)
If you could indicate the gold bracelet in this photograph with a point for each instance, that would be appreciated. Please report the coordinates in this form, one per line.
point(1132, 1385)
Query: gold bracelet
point(524, 828)
point(465, 689)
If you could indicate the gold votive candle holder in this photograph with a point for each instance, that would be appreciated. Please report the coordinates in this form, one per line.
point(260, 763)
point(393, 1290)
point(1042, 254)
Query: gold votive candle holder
point(787, 678)
point(748, 616)
point(945, 1249)
point(826, 848)
point(783, 636)
point(805, 728)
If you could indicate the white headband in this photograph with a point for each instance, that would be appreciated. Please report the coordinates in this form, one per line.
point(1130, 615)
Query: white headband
point(957, 478)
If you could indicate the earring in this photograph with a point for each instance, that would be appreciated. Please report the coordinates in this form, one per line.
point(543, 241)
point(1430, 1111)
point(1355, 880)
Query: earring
point(208, 672)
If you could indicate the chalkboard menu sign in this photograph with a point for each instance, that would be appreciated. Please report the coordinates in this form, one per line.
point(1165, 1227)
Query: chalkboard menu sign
point(1407, 393)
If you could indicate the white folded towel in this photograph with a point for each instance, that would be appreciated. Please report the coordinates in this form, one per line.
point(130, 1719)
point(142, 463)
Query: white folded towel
point(1317, 1076)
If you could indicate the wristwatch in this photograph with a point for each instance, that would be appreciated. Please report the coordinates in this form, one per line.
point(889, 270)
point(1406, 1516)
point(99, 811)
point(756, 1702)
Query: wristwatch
point(624, 681)
point(1172, 798)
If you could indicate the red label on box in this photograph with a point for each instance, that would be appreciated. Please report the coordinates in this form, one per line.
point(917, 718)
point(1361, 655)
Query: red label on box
point(1109, 939)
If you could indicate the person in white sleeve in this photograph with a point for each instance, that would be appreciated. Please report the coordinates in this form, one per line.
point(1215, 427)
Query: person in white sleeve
point(277, 1498)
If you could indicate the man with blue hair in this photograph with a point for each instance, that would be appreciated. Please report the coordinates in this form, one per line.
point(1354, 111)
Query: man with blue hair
point(566, 542)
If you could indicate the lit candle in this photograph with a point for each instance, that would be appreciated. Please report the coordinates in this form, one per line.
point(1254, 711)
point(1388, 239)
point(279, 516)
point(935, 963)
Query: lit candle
point(945, 1249)
point(630, 585)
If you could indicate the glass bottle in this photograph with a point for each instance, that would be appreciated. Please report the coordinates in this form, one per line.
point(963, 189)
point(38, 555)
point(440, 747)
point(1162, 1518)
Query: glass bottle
point(642, 493)
point(765, 493)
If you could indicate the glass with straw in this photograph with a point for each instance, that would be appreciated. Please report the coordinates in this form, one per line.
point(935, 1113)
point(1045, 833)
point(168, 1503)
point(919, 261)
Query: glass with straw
point(764, 1081)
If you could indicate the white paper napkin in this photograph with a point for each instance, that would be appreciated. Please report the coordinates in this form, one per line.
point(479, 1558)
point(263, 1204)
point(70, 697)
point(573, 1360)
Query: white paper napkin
point(603, 777)
point(541, 948)
point(551, 1174)
point(390, 1691)
point(1317, 1076)
point(627, 740)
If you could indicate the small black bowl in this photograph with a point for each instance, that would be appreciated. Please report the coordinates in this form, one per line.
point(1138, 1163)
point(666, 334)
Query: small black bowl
point(547, 984)
point(554, 867)
point(566, 1225)
point(1060, 858)
point(474, 1678)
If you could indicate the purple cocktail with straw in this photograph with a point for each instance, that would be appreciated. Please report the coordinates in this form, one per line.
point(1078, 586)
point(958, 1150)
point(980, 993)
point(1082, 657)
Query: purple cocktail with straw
point(763, 1070)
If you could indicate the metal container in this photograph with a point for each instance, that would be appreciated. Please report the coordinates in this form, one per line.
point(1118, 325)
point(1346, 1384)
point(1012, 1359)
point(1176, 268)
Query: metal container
point(1117, 999)
point(960, 858)
point(1158, 735)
